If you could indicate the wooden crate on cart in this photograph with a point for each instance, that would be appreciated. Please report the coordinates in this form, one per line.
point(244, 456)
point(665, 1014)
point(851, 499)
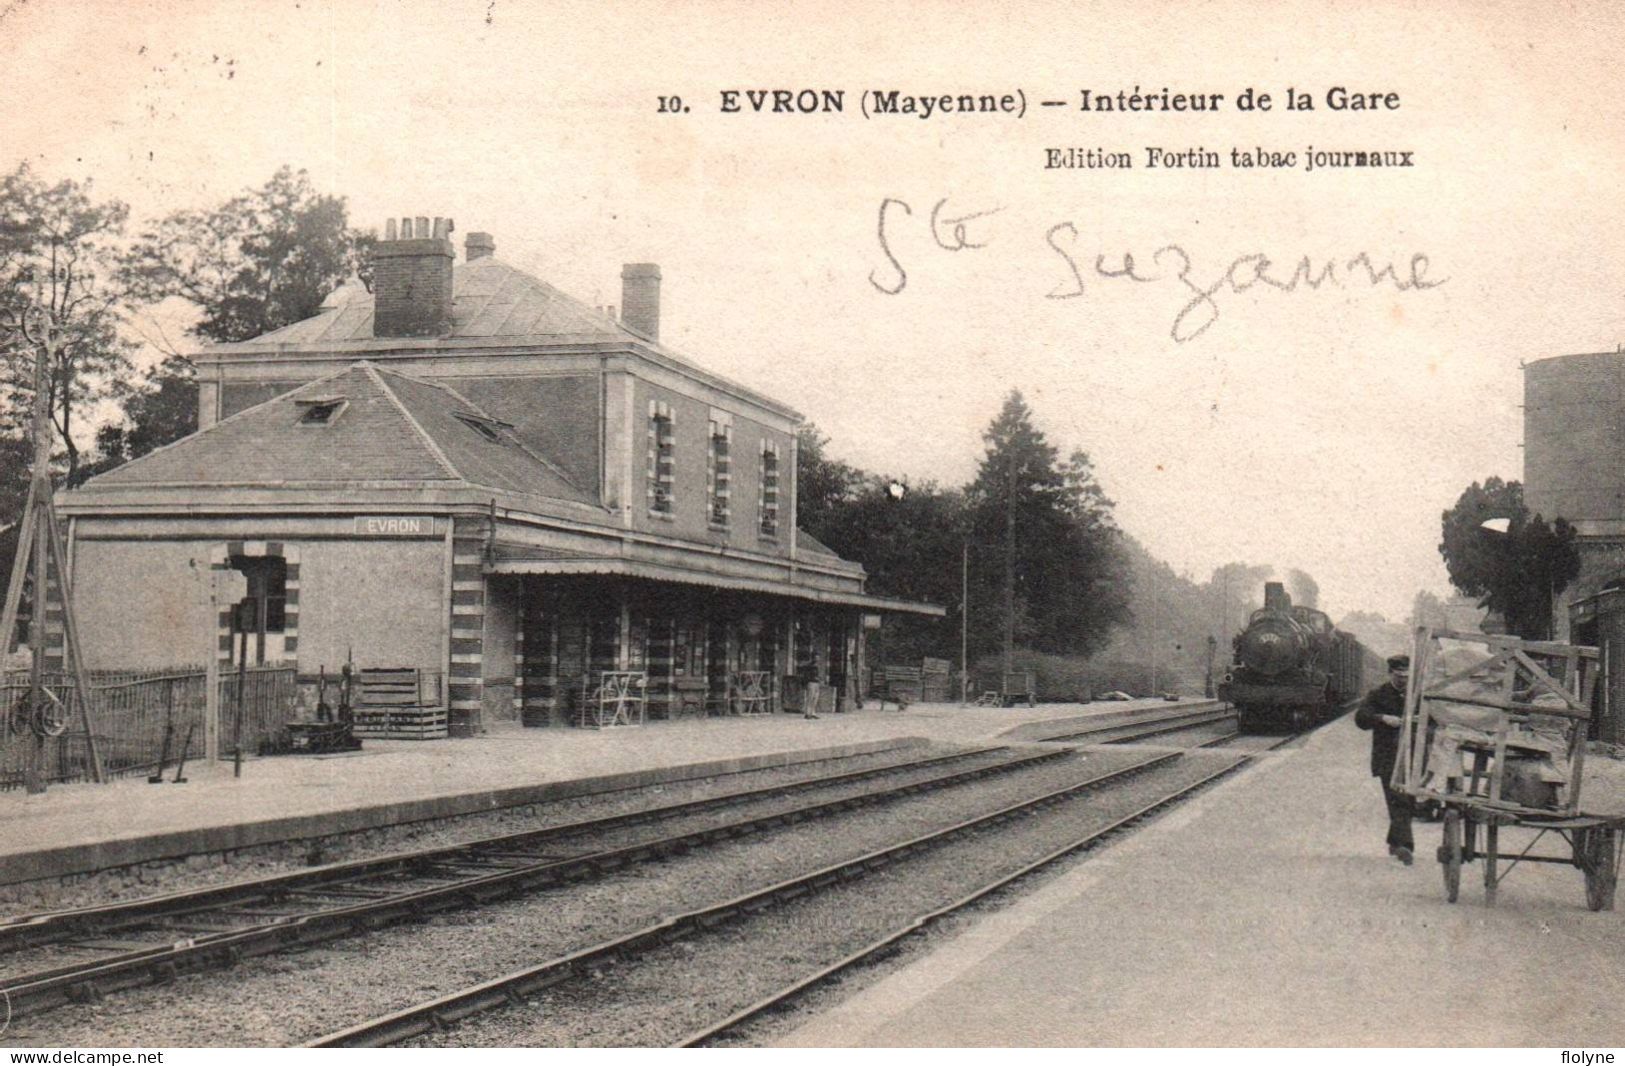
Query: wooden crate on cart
point(398, 703)
point(1494, 732)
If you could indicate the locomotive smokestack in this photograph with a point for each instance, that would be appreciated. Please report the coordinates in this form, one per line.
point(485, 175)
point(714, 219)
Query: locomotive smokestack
point(1275, 597)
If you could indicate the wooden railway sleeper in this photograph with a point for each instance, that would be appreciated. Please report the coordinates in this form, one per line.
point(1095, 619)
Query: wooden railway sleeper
point(327, 929)
point(400, 868)
point(715, 916)
point(540, 982)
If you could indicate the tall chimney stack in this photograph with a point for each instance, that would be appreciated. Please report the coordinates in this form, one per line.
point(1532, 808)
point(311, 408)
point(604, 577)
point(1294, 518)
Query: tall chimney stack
point(478, 246)
point(412, 279)
point(640, 298)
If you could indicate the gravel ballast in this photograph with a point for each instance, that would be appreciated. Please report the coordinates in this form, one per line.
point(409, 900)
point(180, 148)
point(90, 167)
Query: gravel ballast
point(134, 882)
point(293, 998)
point(665, 994)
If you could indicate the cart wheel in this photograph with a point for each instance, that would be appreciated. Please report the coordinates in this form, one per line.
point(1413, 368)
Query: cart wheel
point(1597, 860)
point(1450, 854)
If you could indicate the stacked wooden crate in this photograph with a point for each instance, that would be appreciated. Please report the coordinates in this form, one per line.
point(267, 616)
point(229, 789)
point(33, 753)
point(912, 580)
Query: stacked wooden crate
point(390, 704)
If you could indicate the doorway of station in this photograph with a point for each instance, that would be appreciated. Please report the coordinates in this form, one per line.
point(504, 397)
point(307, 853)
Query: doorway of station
point(261, 615)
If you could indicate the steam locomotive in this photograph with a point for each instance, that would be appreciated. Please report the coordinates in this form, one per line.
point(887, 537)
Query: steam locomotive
point(1292, 669)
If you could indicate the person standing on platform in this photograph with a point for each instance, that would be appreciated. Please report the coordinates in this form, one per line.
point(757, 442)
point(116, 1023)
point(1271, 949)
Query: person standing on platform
point(1381, 711)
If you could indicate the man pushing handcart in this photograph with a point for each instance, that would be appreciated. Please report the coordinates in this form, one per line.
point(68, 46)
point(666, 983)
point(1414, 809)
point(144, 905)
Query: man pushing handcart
point(1494, 730)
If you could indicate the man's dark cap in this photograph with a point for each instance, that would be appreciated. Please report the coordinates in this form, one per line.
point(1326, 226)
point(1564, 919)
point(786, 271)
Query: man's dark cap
point(1399, 662)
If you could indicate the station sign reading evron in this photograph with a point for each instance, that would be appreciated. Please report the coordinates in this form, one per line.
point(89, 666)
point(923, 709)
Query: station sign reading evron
point(394, 525)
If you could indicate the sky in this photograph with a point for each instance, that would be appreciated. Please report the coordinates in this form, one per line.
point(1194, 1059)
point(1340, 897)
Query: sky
point(1323, 428)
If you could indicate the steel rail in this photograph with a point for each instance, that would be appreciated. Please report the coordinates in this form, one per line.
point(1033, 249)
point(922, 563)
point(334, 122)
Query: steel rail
point(31, 930)
point(1168, 723)
point(876, 948)
point(511, 988)
point(89, 981)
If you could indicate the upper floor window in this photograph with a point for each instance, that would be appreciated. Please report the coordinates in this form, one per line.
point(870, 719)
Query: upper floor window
point(662, 448)
point(769, 489)
point(719, 471)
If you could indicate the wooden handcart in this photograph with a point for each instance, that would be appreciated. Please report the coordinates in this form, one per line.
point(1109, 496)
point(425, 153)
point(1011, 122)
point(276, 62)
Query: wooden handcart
point(1007, 690)
point(1494, 733)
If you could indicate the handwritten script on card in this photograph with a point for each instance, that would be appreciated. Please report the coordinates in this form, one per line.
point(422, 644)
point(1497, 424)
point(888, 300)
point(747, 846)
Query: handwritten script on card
point(1168, 265)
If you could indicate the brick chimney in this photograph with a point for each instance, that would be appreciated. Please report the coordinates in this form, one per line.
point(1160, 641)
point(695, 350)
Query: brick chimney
point(412, 279)
point(640, 298)
point(478, 246)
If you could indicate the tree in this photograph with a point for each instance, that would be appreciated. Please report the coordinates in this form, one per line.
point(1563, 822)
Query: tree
point(257, 262)
point(1428, 610)
point(16, 458)
point(1238, 588)
point(824, 487)
point(58, 272)
point(158, 411)
point(1305, 589)
point(1046, 561)
point(1383, 637)
point(1517, 573)
point(909, 539)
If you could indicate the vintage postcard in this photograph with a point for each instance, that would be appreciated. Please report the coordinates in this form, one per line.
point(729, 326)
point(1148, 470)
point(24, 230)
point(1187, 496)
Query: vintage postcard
point(466, 424)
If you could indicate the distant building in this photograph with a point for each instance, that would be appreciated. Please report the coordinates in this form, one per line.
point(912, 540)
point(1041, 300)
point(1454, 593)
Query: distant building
point(1464, 615)
point(1574, 462)
point(468, 472)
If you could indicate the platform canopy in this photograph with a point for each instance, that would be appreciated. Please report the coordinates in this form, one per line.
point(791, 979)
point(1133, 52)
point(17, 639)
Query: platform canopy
point(652, 571)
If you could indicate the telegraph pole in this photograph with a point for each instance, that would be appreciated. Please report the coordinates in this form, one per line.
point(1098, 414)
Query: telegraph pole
point(37, 539)
point(964, 623)
point(34, 770)
point(1009, 569)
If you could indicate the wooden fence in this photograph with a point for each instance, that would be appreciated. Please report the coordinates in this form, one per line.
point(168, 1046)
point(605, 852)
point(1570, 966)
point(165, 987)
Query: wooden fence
point(133, 711)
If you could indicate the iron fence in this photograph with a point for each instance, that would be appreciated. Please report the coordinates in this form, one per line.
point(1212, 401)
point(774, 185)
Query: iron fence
point(141, 717)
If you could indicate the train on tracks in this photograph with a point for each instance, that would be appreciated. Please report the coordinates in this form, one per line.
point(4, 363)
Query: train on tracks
point(1292, 669)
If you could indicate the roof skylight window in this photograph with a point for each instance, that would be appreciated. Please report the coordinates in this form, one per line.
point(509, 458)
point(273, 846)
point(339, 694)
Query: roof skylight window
point(485, 427)
point(320, 412)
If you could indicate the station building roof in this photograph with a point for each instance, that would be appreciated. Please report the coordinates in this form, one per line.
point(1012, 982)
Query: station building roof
point(494, 306)
point(365, 424)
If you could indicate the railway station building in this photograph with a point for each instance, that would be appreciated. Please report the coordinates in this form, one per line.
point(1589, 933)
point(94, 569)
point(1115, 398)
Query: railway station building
point(468, 473)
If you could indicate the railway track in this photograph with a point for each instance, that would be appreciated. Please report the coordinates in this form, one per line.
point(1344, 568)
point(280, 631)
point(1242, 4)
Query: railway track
point(1141, 727)
point(157, 939)
point(871, 952)
point(698, 925)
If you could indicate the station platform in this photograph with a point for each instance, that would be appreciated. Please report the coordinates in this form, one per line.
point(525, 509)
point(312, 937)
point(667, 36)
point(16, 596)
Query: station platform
point(79, 828)
point(1267, 913)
